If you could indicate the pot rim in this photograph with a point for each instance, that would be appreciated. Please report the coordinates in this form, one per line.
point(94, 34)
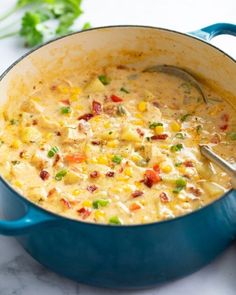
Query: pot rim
point(43, 210)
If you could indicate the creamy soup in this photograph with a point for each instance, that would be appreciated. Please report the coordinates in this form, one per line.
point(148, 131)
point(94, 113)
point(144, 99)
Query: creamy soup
point(118, 146)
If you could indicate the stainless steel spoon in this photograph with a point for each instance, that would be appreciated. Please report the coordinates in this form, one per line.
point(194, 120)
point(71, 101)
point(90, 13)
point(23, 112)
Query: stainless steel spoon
point(224, 165)
point(180, 73)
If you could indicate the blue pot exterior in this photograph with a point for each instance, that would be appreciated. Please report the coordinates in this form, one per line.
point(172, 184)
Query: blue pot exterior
point(127, 257)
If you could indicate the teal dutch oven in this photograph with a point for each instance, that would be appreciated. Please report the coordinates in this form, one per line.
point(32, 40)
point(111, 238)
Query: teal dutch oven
point(126, 256)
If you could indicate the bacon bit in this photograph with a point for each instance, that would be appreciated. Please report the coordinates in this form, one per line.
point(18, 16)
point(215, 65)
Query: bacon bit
point(92, 188)
point(140, 132)
point(224, 127)
point(164, 198)
point(134, 206)
point(156, 104)
point(52, 192)
point(96, 107)
point(195, 191)
point(58, 133)
point(110, 109)
point(21, 154)
point(53, 87)
point(136, 194)
point(75, 158)
point(115, 98)
point(84, 212)
point(159, 136)
point(151, 177)
point(94, 174)
point(96, 142)
point(156, 168)
point(34, 122)
point(188, 163)
point(66, 102)
point(86, 117)
point(215, 138)
point(65, 203)
point(44, 175)
point(225, 117)
point(110, 174)
point(57, 159)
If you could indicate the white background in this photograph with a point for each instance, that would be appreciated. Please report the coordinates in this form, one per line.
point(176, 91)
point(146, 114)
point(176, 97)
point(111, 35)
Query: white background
point(19, 273)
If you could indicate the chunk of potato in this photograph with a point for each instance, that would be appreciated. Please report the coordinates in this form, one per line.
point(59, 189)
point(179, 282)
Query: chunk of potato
point(30, 134)
point(47, 124)
point(31, 106)
point(71, 134)
point(37, 193)
point(39, 160)
point(130, 134)
point(94, 86)
point(72, 177)
point(213, 189)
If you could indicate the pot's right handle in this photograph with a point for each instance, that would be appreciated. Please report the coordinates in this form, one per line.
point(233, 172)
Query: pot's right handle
point(214, 30)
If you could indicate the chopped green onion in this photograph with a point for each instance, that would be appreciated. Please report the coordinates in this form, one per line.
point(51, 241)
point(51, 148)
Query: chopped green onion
point(154, 125)
point(184, 117)
point(60, 174)
point(104, 79)
point(53, 151)
point(114, 220)
point(180, 185)
point(178, 164)
point(148, 138)
point(86, 26)
point(15, 162)
point(232, 135)
point(124, 90)
point(179, 135)
point(177, 147)
point(117, 159)
point(100, 203)
point(13, 122)
point(121, 110)
point(65, 110)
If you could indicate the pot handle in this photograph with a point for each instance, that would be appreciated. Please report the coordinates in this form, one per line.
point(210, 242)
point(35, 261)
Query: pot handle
point(32, 220)
point(214, 30)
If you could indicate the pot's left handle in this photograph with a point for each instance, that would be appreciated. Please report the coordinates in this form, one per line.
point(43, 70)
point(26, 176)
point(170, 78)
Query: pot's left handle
point(32, 220)
point(214, 30)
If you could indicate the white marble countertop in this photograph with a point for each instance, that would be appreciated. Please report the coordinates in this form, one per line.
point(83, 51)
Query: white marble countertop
point(19, 273)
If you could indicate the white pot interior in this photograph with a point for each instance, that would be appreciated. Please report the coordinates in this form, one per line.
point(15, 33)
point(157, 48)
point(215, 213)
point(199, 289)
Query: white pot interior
point(139, 46)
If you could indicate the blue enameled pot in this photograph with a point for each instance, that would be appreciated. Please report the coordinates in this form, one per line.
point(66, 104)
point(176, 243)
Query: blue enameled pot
point(135, 256)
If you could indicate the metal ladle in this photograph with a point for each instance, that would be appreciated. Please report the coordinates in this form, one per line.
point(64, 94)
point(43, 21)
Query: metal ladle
point(180, 73)
point(224, 165)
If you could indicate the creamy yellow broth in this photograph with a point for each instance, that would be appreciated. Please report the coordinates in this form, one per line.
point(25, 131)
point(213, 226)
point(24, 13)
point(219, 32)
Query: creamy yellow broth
point(118, 146)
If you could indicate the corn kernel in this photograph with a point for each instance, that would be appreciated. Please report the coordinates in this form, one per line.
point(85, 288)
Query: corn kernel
point(127, 188)
point(16, 143)
point(37, 99)
point(107, 124)
point(96, 119)
point(78, 107)
point(143, 202)
point(102, 160)
point(175, 126)
point(159, 129)
point(139, 116)
point(87, 203)
point(99, 215)
point(128, 171)
point(76, 90)
point(164, 146)
point(112, 143)
point(138, 122)
point(48, 136)
point(182, 169)
point(165, 168)
point(76, 192)
point(116, 190)
point(64, 90)
point(142, 106)
point(136, 158)
point(122, 178)
point(18, 184)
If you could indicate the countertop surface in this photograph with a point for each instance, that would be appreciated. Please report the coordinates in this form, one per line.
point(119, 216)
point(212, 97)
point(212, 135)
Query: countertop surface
point(22, 275)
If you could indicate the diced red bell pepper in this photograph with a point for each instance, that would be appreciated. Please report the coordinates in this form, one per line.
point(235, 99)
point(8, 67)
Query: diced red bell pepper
point(66, 102)
point(65, 203)
point(151, 177)
point(164, 198)
point(84, 212)
point(86, 117)
point(116, 98)
point(75, 158)
point(134, 206)
point(159, 136)
point(137, 193)
point(156, 168)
